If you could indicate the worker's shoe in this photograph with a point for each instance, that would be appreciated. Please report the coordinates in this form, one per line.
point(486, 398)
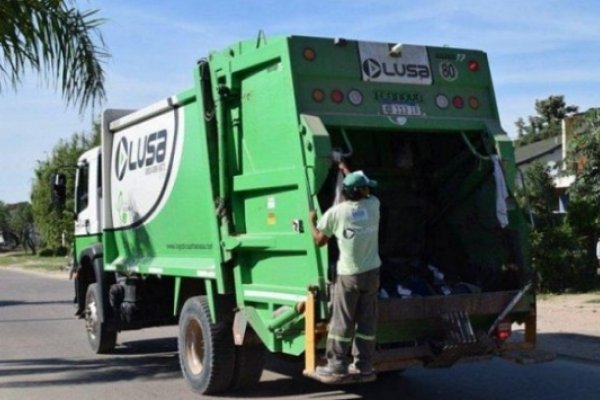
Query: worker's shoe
point(363, 372)
point(331, 373)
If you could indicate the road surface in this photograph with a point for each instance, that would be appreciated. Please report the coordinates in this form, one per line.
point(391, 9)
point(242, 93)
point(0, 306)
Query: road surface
point(44, 354)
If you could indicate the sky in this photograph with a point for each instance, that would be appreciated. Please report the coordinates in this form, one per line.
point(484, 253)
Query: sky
point(536, 48)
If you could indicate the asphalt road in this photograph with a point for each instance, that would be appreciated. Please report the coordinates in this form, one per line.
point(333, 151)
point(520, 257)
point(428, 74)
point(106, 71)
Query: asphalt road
point(44, 354)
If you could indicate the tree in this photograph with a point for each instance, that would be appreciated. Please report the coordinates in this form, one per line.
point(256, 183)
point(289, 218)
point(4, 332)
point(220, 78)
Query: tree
point(53, 223)
point(556, 249)
point(3, 216)
point(584, 158)
point(16, 223)
point(520, 124)
point(553, 109)
point(54, 39)
point(540, 194)
point(547, 122)
point(21, 224)
point(584, 162)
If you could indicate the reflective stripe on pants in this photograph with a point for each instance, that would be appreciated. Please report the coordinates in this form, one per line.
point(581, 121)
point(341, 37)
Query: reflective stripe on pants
point(354, 316)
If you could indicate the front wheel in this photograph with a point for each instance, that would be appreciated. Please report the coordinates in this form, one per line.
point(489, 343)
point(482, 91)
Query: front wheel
point(101, 338)
point(206, 350)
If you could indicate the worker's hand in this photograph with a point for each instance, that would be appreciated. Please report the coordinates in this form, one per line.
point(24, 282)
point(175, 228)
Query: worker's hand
point(343, 167)
point(312, 216)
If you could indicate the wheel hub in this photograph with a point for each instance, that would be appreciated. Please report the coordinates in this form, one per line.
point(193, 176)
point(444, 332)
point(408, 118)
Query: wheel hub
point(91, 318)
point(194, 347)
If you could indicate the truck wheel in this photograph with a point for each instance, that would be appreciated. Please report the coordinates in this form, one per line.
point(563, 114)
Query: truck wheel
point(249, 361)
point(101, 338)
point(206, 350)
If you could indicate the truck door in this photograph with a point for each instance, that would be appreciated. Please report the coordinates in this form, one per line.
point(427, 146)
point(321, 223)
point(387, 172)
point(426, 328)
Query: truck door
point(88, 192)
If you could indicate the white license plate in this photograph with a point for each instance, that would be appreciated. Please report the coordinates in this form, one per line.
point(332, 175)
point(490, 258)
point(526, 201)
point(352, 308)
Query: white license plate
point(401, 109)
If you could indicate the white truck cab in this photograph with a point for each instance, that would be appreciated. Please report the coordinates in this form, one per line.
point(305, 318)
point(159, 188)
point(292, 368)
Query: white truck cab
point(88, 194)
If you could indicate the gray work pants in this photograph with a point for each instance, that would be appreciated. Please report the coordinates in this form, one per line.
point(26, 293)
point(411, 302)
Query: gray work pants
point(354, 320)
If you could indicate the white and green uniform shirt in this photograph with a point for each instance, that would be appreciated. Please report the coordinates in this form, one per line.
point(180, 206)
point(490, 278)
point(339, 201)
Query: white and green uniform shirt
point(355, 224)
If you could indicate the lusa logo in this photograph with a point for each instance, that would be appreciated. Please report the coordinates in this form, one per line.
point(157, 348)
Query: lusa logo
point(147, 151)
point(374, 69)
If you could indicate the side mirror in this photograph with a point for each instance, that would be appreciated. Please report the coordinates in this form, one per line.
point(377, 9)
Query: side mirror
point(59, 191)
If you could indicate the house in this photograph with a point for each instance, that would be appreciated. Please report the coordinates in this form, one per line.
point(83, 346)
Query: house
point(548, 151)
point(553, 153)
point(7, 242)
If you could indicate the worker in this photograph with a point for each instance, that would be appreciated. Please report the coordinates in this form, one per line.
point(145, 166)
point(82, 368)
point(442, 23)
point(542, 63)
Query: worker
point(598, 256)
point(355, 224)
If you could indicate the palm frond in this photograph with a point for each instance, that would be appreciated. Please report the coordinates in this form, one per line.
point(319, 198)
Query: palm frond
point(55, 39)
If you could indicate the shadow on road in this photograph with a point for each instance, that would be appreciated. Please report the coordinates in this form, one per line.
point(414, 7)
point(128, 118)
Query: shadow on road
point(147, 346)
point(156, 359)
point(144, 360)
point(7, 303)
point(104, 369)
point(571, 345)
point(574, 338)
point(567, 344)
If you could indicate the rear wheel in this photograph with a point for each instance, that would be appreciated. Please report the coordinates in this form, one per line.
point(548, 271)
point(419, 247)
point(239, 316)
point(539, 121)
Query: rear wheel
point(206, 351)
point(101, 338)
point(249, 361)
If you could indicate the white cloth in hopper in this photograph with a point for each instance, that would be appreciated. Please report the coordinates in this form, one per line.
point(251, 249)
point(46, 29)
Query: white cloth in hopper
point(501, 192)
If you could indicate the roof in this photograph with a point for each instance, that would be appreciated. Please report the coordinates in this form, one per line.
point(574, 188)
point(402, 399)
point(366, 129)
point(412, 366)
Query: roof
point(530, 152)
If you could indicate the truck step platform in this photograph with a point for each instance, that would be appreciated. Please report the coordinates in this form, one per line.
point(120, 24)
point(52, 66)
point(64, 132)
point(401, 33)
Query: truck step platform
point(341, 380)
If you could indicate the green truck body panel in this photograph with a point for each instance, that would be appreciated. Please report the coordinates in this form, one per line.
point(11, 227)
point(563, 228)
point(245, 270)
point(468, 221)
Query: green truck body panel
point(82, 242)
point(248, 152)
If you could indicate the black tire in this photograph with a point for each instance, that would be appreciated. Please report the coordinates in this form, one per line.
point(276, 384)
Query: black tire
point(206, 350)
point(249, 361)
point(101, 338)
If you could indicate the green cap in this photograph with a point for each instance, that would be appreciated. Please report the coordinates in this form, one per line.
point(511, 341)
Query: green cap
point(358, 179)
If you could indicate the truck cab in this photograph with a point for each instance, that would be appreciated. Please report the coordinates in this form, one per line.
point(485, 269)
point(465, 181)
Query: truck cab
point(88, 197)
point(88, 220)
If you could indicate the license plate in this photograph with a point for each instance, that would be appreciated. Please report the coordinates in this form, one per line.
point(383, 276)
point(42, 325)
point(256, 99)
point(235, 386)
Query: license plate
point(401, 109)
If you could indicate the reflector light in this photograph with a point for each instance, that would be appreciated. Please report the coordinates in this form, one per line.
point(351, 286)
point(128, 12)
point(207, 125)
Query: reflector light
point(473, 66)
point(318, 95)
point(309, 54)
point(458, 102)
point(504, 330)
point(355, 97)
point(474, 102)
point(337, 96)
point(442, 101)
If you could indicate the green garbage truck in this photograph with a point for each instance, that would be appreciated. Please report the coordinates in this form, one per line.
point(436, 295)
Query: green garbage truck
point(193, 211)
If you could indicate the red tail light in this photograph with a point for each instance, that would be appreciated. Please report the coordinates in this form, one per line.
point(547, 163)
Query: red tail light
point(473, 66)
point(337, 96)
point(504, 330)
point(458, 102)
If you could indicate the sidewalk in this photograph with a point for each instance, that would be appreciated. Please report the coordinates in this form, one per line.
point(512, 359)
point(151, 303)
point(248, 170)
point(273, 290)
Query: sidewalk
point(569, 325)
